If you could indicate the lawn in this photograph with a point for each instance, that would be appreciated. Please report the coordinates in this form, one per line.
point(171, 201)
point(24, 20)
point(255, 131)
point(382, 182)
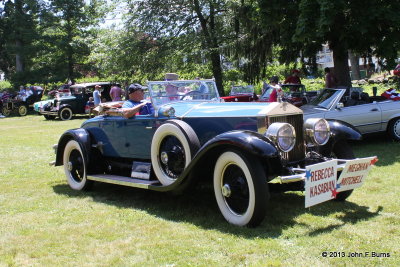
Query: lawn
point(45, 223)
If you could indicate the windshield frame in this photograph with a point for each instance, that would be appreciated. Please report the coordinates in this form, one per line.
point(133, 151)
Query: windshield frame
point(158, 94)
point(327, 98)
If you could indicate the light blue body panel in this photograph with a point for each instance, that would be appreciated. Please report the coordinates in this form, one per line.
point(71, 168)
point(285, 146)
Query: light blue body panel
point(218, 109)
point(131, 138)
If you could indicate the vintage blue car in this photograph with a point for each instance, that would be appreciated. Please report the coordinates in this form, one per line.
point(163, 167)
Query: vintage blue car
point(244, 150)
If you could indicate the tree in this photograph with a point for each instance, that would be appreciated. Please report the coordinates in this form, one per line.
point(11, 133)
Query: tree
point(68, 28)
point(18, 20)
point(173, 21)
point(358, 26)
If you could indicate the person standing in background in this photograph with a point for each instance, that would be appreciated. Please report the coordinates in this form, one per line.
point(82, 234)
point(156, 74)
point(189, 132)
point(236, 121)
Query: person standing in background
point(330, 79)
point(294, 78)
point(97, 95)
point(116, 93)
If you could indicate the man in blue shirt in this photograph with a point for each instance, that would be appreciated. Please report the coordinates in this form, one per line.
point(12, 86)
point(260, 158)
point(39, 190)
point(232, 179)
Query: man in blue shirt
point(134, 104)
point(97, 95)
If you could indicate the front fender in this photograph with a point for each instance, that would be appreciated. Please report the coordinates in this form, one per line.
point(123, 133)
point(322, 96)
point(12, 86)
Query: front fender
point(342, 130)
point(81, 136)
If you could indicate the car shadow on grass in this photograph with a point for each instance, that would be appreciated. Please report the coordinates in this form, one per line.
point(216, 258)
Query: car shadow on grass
point(380, 145)
point(199, 207)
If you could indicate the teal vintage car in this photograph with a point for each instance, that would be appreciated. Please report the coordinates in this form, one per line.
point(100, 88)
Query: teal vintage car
point(71, 100)
point(244, 150)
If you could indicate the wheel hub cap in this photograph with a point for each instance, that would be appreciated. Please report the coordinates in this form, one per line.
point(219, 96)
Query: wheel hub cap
point(226, 190)
point(70, 166)
point(164, 157)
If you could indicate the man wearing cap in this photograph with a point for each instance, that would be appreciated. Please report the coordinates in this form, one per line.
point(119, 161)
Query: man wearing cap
point(134, 104)
point(97, 95)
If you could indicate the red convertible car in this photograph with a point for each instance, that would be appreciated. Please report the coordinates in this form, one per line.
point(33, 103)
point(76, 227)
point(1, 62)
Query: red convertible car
point(241, 93)
point(295, 94)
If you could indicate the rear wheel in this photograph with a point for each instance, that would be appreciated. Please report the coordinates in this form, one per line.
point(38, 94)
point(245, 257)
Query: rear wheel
point(65, 114)
point(6, 112)
point(75, 166)
point(240, 188)
point(394, 129)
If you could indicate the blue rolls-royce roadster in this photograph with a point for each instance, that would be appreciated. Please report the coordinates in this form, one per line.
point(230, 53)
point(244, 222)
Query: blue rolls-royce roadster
point(244, 150)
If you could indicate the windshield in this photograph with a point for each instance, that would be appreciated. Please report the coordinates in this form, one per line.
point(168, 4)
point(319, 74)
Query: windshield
point(326, 98)
point(241, 89)
point(164, 92)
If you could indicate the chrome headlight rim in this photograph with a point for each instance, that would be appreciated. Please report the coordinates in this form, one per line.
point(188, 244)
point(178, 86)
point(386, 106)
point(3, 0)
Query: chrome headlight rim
point(275, 133)
point(313, 133)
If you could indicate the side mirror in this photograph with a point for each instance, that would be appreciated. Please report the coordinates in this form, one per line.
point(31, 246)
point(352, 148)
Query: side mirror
point(339, 105)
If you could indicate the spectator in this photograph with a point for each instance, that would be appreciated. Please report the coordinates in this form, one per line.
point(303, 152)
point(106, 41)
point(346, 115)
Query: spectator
point(134, 104)
point(330, 79)
point(97, 95)
point(116, 93)
point(276, 89)
point(90, 106)
point(294, 78)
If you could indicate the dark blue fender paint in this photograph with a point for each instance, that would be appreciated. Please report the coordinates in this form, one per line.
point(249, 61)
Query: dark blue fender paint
point(81, 136)
point(243, 141)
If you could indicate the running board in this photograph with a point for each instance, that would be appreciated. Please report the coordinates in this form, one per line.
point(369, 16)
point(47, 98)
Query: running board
point(123, 180)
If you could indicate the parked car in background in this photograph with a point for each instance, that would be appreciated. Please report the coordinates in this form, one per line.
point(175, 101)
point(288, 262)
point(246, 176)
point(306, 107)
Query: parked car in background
point(295, 94)
point(241, 149)
point(15, 103)
point(241, 93)
point(71, 101)
point(368, 114)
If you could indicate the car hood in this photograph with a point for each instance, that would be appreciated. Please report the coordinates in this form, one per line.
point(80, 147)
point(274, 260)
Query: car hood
point(308, 109)
point(40, 104)
point(233, 109)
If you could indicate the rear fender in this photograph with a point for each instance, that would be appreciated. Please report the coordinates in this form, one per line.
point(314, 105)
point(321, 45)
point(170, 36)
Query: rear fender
point(81, 136)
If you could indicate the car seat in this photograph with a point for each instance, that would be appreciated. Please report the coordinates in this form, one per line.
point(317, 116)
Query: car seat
point(354, 98)
point(364, 99)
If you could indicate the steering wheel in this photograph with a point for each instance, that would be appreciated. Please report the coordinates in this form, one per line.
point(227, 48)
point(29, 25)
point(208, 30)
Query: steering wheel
point(191, 93)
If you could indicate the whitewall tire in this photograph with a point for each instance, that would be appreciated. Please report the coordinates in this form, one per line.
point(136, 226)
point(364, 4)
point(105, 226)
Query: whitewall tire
point(173, 145)
point(240, 188)
point(75, 166)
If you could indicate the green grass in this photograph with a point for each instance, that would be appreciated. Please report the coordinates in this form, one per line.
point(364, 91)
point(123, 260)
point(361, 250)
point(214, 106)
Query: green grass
point(45, 223)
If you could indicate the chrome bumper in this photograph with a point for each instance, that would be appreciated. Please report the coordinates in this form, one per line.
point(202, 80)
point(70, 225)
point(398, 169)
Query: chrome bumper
point(300, 174)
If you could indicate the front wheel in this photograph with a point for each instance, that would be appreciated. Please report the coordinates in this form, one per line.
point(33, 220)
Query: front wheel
point(343, 150)
point(75, 166)
point(394, 129)
point(49, 117)
point(22, 110)
point(240, 188)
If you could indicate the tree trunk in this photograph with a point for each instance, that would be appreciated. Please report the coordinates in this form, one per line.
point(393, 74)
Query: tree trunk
point(341, 64)
point(211, 43)
point(19, 62)
point(355, 66)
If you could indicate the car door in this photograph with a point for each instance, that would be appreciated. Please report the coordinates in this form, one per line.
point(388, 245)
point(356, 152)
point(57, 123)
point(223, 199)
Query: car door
point(366, 118)
point(139, 132)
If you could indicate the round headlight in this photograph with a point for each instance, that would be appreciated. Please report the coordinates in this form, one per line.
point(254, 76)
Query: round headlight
point(317, 131)
point(283, 135)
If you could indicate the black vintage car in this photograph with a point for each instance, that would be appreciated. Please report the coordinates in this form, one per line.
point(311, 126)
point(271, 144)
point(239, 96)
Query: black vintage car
point(67, 104)
point(14, 103)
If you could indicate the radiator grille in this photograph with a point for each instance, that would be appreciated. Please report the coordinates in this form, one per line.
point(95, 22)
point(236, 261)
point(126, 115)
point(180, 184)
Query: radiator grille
point(298, 152)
